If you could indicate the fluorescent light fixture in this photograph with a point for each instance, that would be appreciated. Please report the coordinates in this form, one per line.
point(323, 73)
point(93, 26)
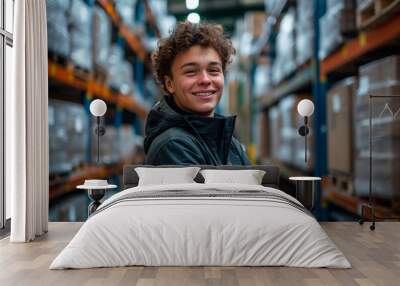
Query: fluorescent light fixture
point(192, 4)
point(194, 18)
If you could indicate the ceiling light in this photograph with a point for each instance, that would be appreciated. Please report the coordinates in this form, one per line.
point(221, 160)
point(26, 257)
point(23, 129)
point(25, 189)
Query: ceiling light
point(192, 4)
point(194, 18)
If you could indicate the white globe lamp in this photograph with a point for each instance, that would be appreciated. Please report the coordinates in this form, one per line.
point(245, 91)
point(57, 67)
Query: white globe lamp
point(98, 108)
point(305, 108)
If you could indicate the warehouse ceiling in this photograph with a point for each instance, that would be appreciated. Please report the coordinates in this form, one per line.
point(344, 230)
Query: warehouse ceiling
point(224, 12)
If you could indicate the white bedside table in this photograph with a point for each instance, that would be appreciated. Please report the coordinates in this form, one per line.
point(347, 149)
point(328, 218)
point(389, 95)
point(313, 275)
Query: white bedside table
point(96, 190)
point(305, 190)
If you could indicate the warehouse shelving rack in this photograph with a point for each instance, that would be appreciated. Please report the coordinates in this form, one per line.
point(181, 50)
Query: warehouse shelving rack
point(94, 88)
point(300, 80)
point(355, 52)
point(62, 74)
point(318, 76)
point(131, 37)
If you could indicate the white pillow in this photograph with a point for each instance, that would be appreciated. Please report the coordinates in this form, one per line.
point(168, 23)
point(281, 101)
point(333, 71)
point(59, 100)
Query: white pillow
point(248, 177)
point(164, 176)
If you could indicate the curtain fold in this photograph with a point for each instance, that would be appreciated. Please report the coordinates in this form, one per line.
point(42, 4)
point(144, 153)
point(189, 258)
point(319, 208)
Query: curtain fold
point(26, 124)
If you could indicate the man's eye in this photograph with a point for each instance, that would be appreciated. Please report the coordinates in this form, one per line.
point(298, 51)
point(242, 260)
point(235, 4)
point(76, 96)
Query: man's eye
point(214, 71)
point(190, 72)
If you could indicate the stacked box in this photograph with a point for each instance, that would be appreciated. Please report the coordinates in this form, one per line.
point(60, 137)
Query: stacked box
point(380, 78)
point(68, 135)
point(262, 135)
point(117, 144)
point(262, 78)
point(57, 27)
point(101, 38)
point(109, 143)
point(254, 22)
point(273, 7)
point(338, 22)
point(361, 4)
point(128, 143)
point(164, 21)
point(120, 71)
point(340, 131)
point(285, 61)
point(80, 19)
point(274, 132)
point(304, 31)
point(288, 131)
point(126, 9)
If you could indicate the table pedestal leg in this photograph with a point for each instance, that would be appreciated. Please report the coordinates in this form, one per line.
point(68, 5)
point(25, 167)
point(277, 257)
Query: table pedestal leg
point(305, 193)
point(96, 195)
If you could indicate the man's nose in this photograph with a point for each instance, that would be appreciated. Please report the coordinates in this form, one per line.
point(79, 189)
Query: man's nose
point(204, 78)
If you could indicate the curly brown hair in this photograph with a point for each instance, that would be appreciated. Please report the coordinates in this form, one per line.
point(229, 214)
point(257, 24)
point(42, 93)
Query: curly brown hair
point(183, 37)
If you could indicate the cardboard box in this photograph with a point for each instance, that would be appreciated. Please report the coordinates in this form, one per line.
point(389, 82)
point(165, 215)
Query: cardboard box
point(339, 119)
point(380, 78)
point(385, 177)
point(379, 74)
point(263, 142)
point(255, 23)
point(274, 131)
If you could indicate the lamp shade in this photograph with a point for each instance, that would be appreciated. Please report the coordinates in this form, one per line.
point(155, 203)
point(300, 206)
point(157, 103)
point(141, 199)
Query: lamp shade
point(305, 107)
point(98, 107)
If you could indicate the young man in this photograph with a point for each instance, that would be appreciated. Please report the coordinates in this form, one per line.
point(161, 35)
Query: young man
point(182, 128)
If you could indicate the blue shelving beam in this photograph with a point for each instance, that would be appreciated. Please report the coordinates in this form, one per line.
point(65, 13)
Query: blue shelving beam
point(319, 117)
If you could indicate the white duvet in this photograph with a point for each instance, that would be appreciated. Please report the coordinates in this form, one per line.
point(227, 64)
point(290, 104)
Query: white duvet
point(183, 231)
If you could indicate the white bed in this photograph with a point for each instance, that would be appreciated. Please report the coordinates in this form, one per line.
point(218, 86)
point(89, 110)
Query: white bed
point(243, 227)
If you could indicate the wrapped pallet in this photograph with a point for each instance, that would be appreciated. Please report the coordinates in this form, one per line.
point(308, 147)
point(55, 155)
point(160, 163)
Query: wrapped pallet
point(262, 78)
point(340, 131)
point(68, 135)
point(164, 22)
point(304, 31)
point(120, 71)
point(127, 143)
point(109, 143)
point(57, 27)
point(80, 19)
point(380, 78)
point(338, 22)
point(101, 38)
point(274, 134)
point(285, 61)
point(288, 131)
point(126, 9)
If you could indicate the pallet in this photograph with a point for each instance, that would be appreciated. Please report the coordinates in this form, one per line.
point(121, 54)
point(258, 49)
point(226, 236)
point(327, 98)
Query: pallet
point(342, 183)
point(78, 71)
point(100, 74)
point(59, 59)
point(392, 204)
point(373, 12)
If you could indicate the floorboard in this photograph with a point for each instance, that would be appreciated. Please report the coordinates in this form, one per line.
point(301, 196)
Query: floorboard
point(374, 255)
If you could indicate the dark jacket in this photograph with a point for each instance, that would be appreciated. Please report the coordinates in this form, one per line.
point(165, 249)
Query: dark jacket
point(174, 137)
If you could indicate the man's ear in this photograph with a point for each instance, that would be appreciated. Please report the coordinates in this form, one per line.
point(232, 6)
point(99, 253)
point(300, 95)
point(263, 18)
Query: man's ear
point(169, 84)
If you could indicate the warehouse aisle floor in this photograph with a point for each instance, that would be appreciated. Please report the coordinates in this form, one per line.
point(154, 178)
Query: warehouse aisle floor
point(72, 207)
point(374, 255)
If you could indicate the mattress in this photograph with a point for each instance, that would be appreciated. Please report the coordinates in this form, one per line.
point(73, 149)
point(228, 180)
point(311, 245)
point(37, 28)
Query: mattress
point(201, 225)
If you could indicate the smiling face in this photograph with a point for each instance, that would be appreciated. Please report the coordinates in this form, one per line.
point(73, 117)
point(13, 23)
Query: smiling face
point(197, 80)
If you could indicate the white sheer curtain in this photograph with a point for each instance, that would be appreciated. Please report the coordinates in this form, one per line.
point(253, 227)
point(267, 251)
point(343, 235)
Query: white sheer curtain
point(26, 124)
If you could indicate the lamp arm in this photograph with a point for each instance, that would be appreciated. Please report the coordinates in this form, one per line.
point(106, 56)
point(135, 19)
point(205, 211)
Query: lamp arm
point(305, 138)
point(98, 139)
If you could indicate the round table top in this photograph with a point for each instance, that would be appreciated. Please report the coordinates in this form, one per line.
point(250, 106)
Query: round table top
point(88, 187)
point(305, 178)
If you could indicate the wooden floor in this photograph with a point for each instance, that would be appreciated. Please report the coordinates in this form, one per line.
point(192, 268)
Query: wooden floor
point(375, 257)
